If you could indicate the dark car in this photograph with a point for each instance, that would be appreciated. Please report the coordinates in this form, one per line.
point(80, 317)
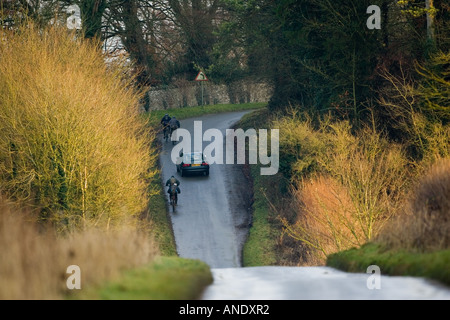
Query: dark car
point(192, 162)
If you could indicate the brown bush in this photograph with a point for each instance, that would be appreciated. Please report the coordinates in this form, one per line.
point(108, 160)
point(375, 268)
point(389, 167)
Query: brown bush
point(363, 176)
point(326, 218)
point(425, 221)
point(33, 263)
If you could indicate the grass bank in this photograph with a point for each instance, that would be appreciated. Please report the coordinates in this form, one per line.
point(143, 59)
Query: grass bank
point(158, 215)
point(399, 262)
point(260, 248)
point(167, 278)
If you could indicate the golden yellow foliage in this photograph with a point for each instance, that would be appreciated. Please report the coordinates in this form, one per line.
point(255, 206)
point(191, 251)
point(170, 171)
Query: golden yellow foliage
point(72, 144)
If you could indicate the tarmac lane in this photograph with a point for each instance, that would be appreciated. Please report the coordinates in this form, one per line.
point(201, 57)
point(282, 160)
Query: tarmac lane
point(211, 210)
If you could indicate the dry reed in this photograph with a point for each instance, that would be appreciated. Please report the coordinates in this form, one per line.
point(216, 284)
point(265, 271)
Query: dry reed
point(33, 263)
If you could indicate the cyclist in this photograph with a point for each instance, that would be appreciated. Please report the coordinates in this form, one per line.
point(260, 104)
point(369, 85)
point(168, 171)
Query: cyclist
point(174, 124)
point(165, 123)
point(173, 184)
point(171, 181)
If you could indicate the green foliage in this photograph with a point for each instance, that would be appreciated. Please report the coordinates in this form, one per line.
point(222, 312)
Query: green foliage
point(432, 265)
point(434, 89)
point(167, 278)
point(228, 55)
point(318, 54)
point(416, 8)
point(321, 57)
point(241, 49)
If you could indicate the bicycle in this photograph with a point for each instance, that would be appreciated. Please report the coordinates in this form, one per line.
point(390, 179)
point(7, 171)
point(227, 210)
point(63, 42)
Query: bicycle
point(166, 132)
point(173, 198)
point(171, 131)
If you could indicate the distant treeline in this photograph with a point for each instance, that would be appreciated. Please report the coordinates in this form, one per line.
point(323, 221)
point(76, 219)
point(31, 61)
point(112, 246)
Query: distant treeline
point(319, 55)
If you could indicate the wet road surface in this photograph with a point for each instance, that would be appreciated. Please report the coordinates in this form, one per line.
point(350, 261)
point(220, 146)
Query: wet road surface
point(317, 283)
point(212, 214)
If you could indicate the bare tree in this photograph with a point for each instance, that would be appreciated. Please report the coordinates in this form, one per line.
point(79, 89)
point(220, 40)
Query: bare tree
point(196, 20)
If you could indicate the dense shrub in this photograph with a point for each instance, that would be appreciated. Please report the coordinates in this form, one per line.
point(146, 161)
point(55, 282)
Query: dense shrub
point(300, 145)
point(326, 219)
point(346, 185)
point(424, 224)
point(72, 145)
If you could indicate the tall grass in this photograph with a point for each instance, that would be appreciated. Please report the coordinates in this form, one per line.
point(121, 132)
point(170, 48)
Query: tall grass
point(33, 263)
point(424, 222)
point(72, 145)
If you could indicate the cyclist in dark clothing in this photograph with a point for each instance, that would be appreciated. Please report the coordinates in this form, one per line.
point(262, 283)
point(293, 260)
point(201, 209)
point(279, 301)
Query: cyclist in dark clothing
point(173, 185)
point(172, 180)
point(174, 124)
point(165, 120)
point(165, 123)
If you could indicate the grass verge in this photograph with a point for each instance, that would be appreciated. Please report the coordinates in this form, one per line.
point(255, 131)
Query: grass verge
point(167, 278)
point(158, 214)
point(260, 247)
point(431, 265)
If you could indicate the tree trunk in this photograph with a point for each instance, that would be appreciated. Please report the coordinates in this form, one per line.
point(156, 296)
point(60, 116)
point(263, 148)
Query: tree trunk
point(430, 20)
point(91, 17)
point(135, 43)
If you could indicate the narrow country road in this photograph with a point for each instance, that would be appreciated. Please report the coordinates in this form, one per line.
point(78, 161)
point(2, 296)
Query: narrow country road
point(317, 283)
point(211, 222)
point(211, 219)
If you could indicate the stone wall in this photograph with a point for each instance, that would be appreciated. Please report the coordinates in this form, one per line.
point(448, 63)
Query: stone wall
point(189, 94)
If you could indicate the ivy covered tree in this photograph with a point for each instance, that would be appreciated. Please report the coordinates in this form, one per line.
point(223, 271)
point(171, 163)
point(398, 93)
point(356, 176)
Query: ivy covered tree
point(318, 54)
point(197, 22)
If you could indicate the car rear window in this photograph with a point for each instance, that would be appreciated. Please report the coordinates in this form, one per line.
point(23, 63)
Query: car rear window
point(193, 158)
